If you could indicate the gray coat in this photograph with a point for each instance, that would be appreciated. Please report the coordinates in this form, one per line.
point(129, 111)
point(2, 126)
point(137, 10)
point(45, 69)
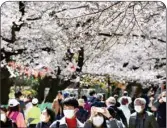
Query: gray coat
point(110, 124)
point(149, 121)
point(62, 124)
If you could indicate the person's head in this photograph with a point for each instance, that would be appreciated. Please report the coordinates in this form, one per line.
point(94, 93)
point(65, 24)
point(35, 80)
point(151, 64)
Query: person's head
point(3, 111)
point(85, 98)
point(81, 102)
point(115, 96)
point(99, 97)
point(124, 101)
point(66, 95)
point(111, 101)
point(35, 102)
point(125, 93)
point(13, 105)
point(98, 119)
point(92, 93)
point(47, 115)
point(18, 94)
point(139, 105)
point(59, 95)
point(163, 86)
point(163, 96)
point(71, 95)
point(70, 106)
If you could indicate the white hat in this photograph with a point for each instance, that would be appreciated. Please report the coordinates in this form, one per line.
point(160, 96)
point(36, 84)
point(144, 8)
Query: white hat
point(13, 103)
point(35, 101)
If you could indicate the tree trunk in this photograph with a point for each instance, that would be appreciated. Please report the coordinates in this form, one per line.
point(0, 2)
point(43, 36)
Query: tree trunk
point(6, 83)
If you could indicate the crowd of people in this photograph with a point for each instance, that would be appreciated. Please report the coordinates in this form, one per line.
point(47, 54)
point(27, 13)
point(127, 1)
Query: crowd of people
point(91, 111)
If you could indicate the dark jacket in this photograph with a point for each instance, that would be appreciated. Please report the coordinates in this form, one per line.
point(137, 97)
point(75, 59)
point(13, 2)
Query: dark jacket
point(161, 114)
point(109, 124)
point(98, 103)
point(120, 115)
point(8, 124)
point(82, 115)
point(147, 120)
point(92, 99)
point(43, 125)
point(62, 124)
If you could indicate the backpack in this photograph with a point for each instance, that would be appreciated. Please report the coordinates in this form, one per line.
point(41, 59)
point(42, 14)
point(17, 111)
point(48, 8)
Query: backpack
point(13, 119)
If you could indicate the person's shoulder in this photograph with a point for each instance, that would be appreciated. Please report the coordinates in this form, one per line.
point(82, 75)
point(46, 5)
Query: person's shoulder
point(54, 124)
point(133, 114)
point(37, 108)
point(39, 125)
point(149, 113)
point(119, 110)
point(88, 124)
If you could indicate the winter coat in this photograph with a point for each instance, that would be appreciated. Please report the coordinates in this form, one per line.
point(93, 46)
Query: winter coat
point(82, 115)
point(147, 121)
point(62, 124)
point(120, 115)
point(161, 114)
point(43, 125)
point(109, 124)
point(98, 103)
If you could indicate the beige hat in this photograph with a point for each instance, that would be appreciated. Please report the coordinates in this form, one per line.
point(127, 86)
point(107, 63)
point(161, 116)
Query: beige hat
point(13, 103)
point(111, 100)
point(81, 102)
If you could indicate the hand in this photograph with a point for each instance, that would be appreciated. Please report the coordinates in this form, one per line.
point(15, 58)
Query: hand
point(93, 111)
point(151, 98)
point(106, 113)
point(160, 100)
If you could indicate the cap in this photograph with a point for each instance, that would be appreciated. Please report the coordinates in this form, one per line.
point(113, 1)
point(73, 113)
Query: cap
point(35, 101)
point(13, 103)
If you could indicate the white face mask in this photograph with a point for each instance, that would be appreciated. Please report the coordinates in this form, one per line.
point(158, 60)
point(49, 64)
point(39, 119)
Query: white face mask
point(69, 113)
point(43, 118)
point(164, 99)
point(3, 117)
point(98, 121)
point(138, 109)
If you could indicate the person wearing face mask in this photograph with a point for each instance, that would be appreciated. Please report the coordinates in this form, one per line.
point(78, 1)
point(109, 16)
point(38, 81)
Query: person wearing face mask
point(142, 118)
point(5, 121)
point(97, 119)
point(160, 105)
point(46, 119)
point(101, 118)
point(70, 107)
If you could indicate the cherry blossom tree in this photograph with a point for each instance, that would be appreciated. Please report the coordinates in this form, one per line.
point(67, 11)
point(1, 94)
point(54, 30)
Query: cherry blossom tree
point(123, 39)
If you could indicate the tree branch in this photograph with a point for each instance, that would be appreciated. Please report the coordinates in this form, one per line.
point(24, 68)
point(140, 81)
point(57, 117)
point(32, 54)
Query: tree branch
point(8, 54)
